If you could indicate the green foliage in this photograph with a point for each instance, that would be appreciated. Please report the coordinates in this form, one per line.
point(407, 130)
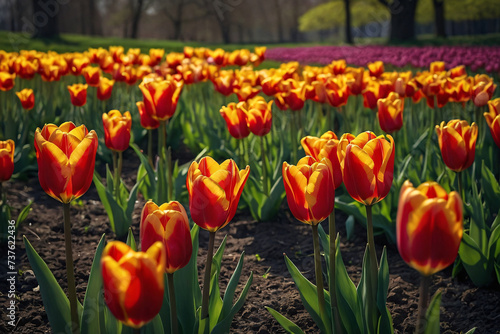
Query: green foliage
point(458, 10)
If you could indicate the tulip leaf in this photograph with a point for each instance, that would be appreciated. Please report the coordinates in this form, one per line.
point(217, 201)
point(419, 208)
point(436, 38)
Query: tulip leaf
point(287, 325)
point(131, 241)
point(223, 326)
point(231, 288)
point(367, 292)
point(215, 301)
point(385, 320)
point(147, 174)
point(432, 315)
point(477, 227)
point(474, 262)
point(23, 214)
point(308, 294)
point(471, 331)
point(490, 187)
point(494, 243)
point(272, 204)
point(55, 302)
point(91, 312)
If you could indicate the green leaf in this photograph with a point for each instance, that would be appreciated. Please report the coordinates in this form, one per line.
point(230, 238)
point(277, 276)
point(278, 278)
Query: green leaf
point(385, 320)
point(153, 327)
point(474, 262)
point(55, 302)
point(287, 325)
point(272, 204)
point(367, 294)
point(349, 226)
point(148, 186)
point(490, 187)
point(432, 315)
point(494, 244)
point(471, 331)
point(477, 227)
point(23, 214)
point(308, 294)
point(215, 301)
point(91, 312)
point(231, 288)
point(131, 240)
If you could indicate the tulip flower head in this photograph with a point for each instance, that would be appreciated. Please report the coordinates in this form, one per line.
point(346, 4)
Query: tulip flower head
point(117, 130)
point(493, 119)
point(7, 148)
point(147, 122)
point(259, 116)
point(105, 88)
point(429, 226)
point(310, 189)
point(214, 192)
point(457, 141)
point(27, 98)
point(390, 113)
point(92, 75)
point(6, 80)
point(367, 164)
point(161, 97)
point(133, 282)
point(235, 118)
point(66, 160)
point(78, 94)
point(169, 224)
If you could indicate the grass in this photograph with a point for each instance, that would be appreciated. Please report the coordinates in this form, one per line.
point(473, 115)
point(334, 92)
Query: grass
point(10, 41)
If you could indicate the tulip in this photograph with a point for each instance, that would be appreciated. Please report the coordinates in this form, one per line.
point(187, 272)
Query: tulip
point(437, 66)
point(6, 81)
point(147, 122)
point(7, 148)
point(235, 119)
point(457, 141)
point(429, 228)
point(259, 116)
point(133, 282)
point(367, 164)
point(493, 119)
point(214, 192)
point(78, 94)
point(117, 130)
point(376, 68)
point(92, 75)
point(483, 89)
point(161, 97)
point(390, 113)
point(27, 98)
point(105, 88)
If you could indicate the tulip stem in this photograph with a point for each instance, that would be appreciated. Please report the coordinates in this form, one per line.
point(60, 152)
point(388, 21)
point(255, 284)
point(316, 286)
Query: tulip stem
point(206, 280)
point(460, 186)
point(332, 278)
point(319, 279)
point(75, 326)
point(173, 305)
point(293, 137)
point(170, 187)
point(161, 167)
point(423, 300)
point(264, 165)
point(373, 265)
point(150, 147)
point(371, 239)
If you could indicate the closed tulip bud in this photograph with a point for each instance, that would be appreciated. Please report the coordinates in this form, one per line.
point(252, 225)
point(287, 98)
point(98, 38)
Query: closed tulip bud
point(133, 282)
point(493, 119)
point(259, 116)
point(457, 141)
point(483, 89)
point(310, 189)
point(147, 122)
point(367, 164)
point(390, 113)
point(214, 192)
point(429, 226)
point(161, 97)
point(168, 224)
point(92, 75)
point(105, 88)
point(6, 81)
point(117, 130)
point(27, 98)
point(325, 147)
point(78, 94)
point(235, 118)
point(66, 160)
point(7, 148)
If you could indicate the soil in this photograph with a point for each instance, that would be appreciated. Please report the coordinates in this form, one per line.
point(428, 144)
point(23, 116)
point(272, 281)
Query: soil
point(463, 305)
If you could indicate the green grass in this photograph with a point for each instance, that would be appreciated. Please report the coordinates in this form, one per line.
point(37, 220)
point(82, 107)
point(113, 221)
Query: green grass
point(77, 43)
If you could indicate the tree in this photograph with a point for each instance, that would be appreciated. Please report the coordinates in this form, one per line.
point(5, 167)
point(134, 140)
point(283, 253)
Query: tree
point(136, 17)
point(348, 34)
point(402, 19)
point(46, 19)
point(439, 20)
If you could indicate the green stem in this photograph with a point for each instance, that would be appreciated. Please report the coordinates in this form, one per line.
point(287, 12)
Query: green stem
point(170, 188)
point(264, 165)
point(293, 138)
point(173, 305)
point(162, 187)
point(241, 151)
point(150, 147)
point(332, 281)
point(75, 324)
point(319, 279)
point(460, 186)
point(371, 306)
point(423, 301)
point(206, 280)
point(116, 186)
point(370, 237)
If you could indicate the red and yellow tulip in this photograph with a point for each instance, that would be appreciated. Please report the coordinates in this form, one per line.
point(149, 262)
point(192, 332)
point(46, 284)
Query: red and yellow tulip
point(7, 148)
point(457, 141)
point(429, 226)
point(117, 130)
point(259, 116)
point(147, 122)
point(390, 113)
point(105, 88)
point(161, 97)
point(235, 118)
point(493, 119)
point(78, 94)
point(6, 80)
point(27, 98)
point(133, 282)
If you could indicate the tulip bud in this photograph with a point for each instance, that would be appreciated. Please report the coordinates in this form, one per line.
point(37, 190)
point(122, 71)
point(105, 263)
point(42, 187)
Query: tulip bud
point(117, 130)
point(6, 159)
point(390, 113)
point(78, 94)
point(27, 98)
point(457, 141)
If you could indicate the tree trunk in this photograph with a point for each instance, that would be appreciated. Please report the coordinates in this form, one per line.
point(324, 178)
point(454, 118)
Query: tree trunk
point(279, 21)
point(136, 18)
point(402, 19)
point(45, 19)
point(348, 33)
point(439, 19)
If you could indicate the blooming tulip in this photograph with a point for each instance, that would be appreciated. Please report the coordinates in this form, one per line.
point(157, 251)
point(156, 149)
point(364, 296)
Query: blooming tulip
point(310, 189)
point(493, 119)
point(161, 97)
point(214, 191)
point(367, 164)
point(376, 68)
point(78, 94)
point(457, 141)
point(92, 75)
point(259, 116)
point(66, 159)
point(429, 226)
point(390, 113)
point(117, 130)
point(235, 120)
point(133, 282)
point(6, 81)
point(147, 122)
point(6, 159)
point(105, 88)
point(168, 224)
point(27, 98)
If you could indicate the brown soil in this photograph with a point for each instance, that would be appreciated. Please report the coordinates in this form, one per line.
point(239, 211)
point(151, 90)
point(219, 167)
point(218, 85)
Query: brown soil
point(463, 305)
